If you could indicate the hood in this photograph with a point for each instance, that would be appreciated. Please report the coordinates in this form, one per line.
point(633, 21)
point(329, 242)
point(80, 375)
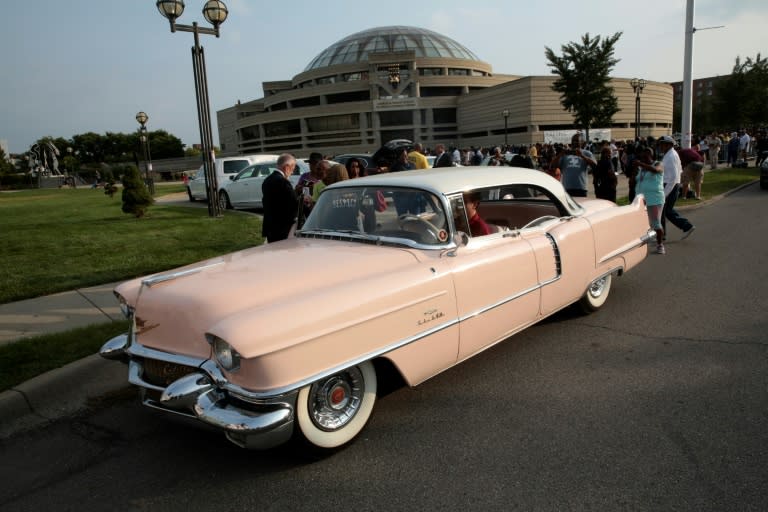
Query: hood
point(173, 315)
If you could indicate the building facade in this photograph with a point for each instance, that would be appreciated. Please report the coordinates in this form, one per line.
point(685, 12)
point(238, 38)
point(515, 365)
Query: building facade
point(411, 83)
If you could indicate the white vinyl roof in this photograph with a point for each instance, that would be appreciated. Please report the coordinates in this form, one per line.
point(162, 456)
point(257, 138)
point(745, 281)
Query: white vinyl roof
point(451, 180)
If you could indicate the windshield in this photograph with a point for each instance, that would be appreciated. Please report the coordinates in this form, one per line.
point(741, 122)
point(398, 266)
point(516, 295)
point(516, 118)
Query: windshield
point(411, 215)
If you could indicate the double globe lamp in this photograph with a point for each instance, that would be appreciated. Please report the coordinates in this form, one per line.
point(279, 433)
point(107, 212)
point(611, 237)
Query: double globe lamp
point(215, 12)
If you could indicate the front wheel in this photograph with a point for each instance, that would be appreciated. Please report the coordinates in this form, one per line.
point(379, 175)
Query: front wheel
point(333, 410)
point(596, 295)
point(224, 203)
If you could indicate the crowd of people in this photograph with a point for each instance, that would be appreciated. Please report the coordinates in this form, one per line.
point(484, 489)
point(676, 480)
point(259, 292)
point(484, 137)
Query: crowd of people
point(653, 167)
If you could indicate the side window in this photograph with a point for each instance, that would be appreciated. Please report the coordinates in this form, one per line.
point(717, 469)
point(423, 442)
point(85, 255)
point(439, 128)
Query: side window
point(265, 170)
point(248, 173)
point(234, 166)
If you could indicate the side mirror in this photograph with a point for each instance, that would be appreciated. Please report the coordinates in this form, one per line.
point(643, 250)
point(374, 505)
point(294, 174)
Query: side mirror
point(232, 178)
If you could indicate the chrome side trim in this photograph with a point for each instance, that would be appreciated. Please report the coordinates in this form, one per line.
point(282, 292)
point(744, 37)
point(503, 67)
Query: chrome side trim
point(503, 301)
point(151, 281)
point(643, 240)
point(277, 393)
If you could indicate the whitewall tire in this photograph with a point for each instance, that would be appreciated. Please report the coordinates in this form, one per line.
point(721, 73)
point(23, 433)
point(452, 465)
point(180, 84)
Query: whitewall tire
point(596, 294)
point(333, 410)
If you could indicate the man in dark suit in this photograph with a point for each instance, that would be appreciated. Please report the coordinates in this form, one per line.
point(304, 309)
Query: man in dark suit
point(280, 201)
point(442, 159)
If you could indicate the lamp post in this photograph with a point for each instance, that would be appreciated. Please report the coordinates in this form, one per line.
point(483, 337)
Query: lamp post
point(637, 86)
point(505, 113)
point(70, 179)
point(215, 12)
point(142, 118)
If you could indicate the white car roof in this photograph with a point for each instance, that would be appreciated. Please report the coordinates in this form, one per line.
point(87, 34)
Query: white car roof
point(451, 180)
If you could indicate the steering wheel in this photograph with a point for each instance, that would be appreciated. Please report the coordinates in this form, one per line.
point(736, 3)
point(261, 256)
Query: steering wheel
point(421, 226)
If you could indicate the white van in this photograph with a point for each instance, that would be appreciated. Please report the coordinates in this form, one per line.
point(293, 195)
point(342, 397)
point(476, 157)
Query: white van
point(225, 167)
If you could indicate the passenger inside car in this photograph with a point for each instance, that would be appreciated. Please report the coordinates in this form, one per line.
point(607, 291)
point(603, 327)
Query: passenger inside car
point(474, 224)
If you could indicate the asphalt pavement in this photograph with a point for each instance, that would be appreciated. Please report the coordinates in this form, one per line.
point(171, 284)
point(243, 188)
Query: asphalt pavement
point(68, 389)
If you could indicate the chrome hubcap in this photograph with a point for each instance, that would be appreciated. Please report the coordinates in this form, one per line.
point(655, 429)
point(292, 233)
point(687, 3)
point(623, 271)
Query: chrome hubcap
point(335, 400)
point(596, 288)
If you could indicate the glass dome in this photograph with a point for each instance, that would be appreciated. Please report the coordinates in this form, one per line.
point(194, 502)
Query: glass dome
point(357, 47)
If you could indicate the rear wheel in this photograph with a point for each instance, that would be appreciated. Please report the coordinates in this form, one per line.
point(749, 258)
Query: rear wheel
point(224, 203)
point(596, 294)
point(333, 410)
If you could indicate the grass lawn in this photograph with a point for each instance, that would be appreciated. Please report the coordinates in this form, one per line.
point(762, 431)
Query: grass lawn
point(30, 357)
point(53, 240)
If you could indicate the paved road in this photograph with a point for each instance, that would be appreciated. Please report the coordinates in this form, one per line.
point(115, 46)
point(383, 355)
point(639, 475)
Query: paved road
point(657, 402)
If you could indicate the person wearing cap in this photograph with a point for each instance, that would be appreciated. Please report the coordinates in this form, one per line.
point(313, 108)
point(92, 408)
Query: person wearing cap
point(673, 171)
point(574, 166)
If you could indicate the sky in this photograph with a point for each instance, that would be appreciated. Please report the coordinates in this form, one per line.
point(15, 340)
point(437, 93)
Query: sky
point(77, 66)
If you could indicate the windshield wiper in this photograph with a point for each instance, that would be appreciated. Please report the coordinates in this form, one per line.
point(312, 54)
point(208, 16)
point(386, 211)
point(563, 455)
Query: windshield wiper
point(351, 232)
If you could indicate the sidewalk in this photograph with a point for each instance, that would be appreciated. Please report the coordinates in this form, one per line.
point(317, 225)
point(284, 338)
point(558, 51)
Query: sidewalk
point(57, 313)
point(64, 390)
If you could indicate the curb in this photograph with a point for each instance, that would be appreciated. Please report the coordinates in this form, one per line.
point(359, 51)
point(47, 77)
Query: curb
point(58, 393)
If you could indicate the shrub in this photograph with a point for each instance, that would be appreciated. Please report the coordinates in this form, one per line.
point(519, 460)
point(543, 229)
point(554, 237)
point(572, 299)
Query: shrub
point(136, 197)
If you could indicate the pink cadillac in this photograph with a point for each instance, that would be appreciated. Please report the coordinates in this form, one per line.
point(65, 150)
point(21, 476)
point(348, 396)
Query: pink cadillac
point(292, 339)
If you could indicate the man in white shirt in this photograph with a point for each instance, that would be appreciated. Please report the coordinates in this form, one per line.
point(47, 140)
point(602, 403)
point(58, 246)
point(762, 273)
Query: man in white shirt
point(673, 170)
point(744, 141)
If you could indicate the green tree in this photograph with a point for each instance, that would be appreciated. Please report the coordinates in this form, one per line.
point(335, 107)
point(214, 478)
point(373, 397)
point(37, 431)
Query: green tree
point(136, 197)
point(90, 146)
point(165, 145)
point(742, 97)
point(584, 76)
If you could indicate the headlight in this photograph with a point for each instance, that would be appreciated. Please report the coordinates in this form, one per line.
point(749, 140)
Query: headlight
point(125, 308)
point(227, 357)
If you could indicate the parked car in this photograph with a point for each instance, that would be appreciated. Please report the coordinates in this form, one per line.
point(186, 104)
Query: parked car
point(243, 190)
point(764, 172)
point(294, 338)
point(225, 167)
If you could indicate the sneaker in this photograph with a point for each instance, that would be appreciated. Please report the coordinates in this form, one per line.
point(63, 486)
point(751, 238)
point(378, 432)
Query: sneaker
point(687, 232)
point(660, 249)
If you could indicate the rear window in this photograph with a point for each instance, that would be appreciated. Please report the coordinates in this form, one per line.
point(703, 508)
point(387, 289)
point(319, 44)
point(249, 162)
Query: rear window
point(234, 166)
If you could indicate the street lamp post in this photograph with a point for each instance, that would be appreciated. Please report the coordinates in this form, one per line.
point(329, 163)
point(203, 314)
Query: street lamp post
point(215, 12)
point(142, 118)
point(505, 113)
point(70, 169)
point(637, 86)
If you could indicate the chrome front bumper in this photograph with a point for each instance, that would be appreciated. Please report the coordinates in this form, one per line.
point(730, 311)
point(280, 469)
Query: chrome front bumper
point(248, 422)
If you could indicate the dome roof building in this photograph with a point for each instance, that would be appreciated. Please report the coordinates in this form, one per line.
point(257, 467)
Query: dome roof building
point(402, 82)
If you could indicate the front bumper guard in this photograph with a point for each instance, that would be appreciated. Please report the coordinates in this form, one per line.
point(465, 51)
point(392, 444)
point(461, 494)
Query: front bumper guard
point(249, 425)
